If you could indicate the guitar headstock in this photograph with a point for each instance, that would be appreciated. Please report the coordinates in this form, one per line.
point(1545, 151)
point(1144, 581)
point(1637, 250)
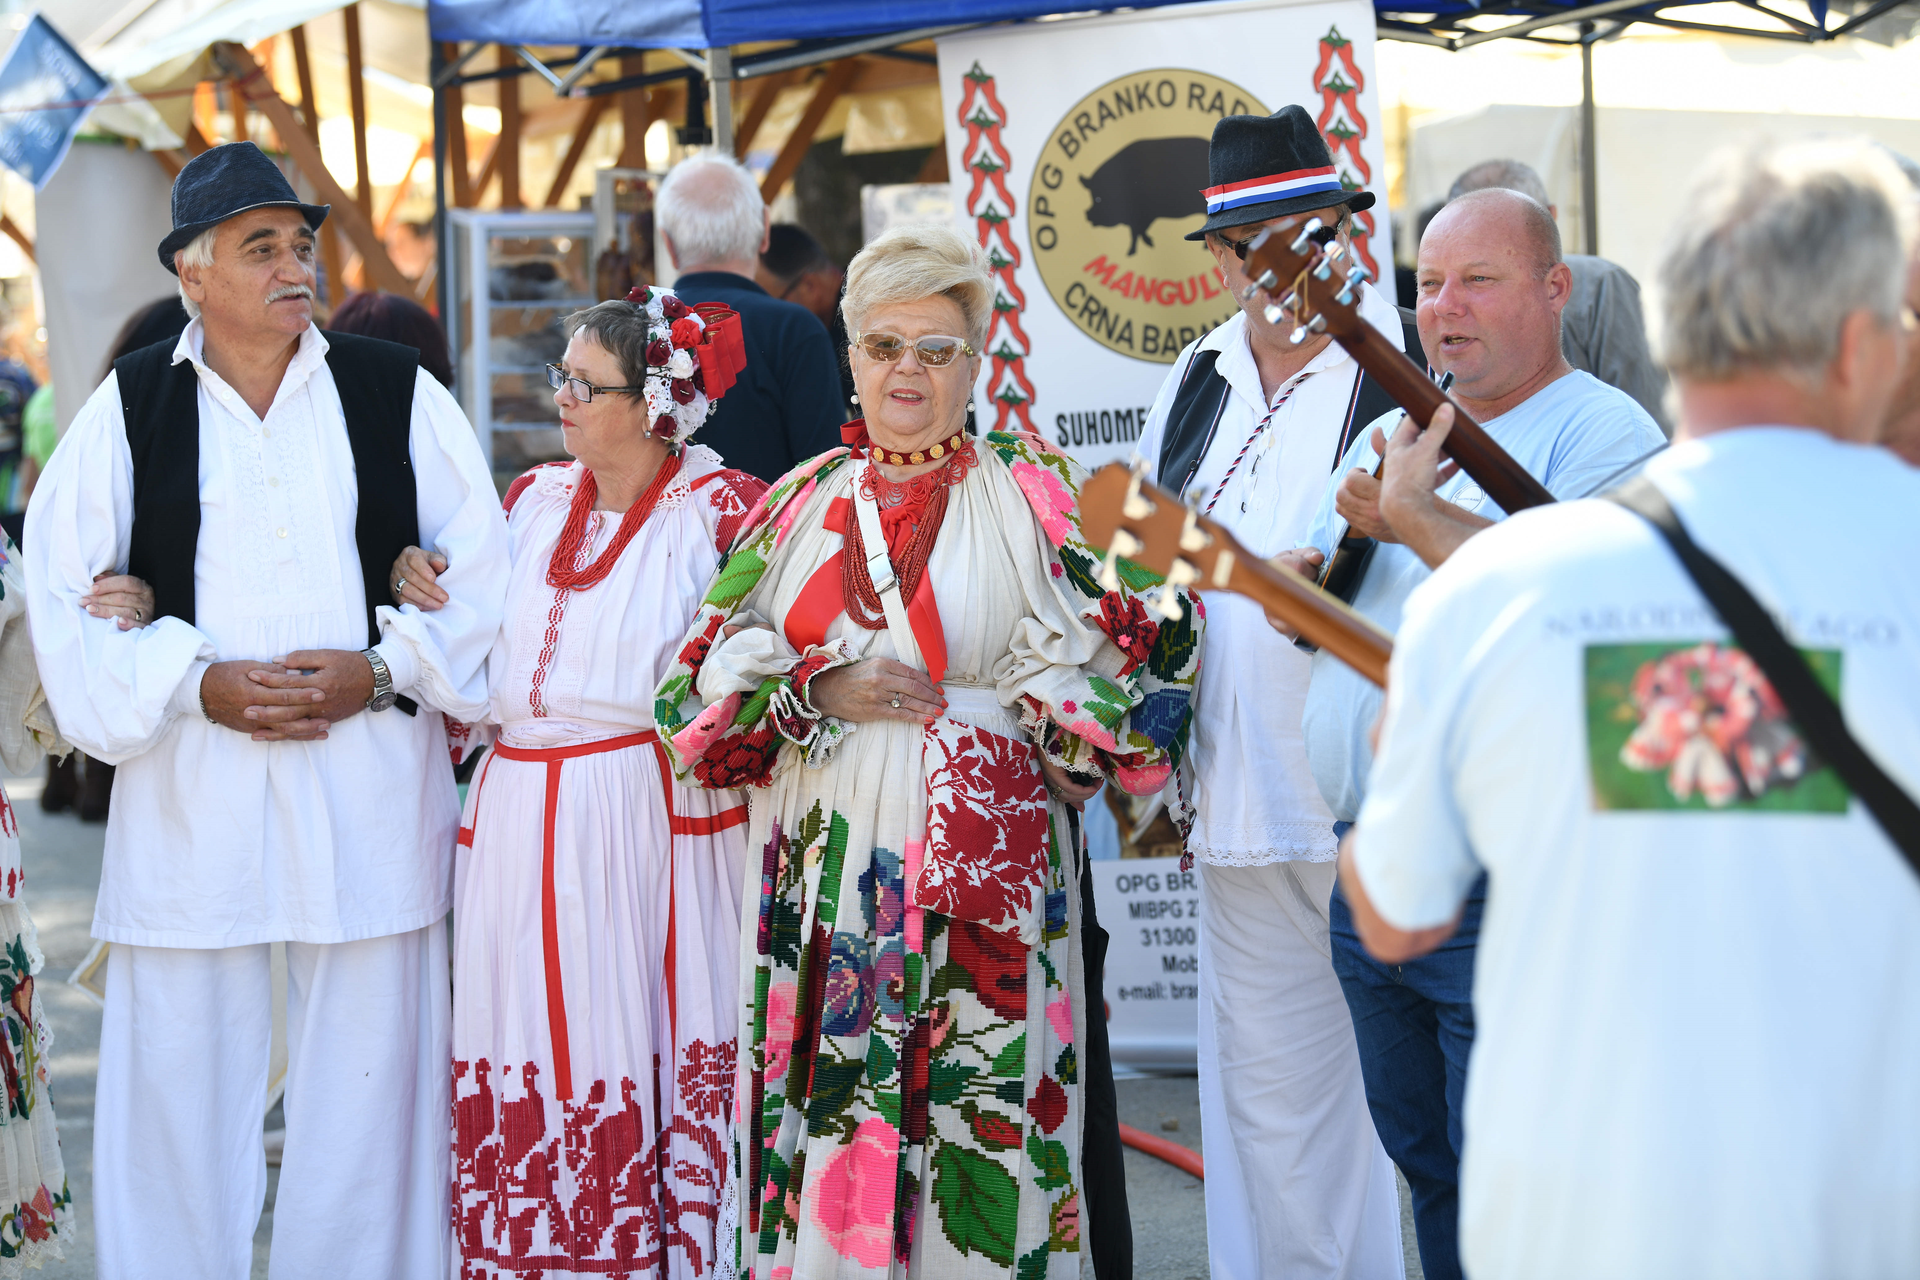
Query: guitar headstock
point(1141, 522)
point(1316, 286)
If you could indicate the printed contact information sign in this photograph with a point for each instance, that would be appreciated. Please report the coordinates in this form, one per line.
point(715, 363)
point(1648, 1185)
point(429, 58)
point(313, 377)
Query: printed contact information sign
point(1150, 909)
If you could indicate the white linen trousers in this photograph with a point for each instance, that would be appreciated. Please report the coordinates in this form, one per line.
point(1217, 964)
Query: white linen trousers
point(179, 1171)
point(1298, 1186)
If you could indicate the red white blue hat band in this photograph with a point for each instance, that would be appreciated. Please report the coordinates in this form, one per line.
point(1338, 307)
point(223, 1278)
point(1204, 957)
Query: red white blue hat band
point(1279, 186)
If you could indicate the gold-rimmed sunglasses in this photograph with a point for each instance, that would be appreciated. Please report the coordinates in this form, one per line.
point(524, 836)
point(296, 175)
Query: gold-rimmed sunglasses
point(935, 350)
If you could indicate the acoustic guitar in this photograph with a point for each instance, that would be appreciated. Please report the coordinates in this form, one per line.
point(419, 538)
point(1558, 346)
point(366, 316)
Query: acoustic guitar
point(1320, 291)
point(1144, 524)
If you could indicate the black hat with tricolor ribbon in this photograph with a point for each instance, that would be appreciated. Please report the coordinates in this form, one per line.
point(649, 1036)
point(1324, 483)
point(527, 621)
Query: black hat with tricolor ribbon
point(1262, 167)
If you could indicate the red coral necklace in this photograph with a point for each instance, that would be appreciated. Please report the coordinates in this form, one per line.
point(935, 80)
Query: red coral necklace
point(560, 570)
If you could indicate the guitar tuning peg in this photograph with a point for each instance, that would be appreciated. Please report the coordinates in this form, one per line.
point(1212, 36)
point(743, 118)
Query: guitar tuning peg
point(1324, 269)
point(1305, 238)
point(1314, 326)
point(1181, 573)
point(1135, 506)
point(1165, 601)
point(1359, 274)
point(1347, 292)
point(1192, 536)
point(1267, 280)
point(1124, 544)
point(1274, 313)
point(1336, 251)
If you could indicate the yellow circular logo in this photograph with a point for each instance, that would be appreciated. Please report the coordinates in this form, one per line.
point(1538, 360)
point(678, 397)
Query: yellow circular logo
point(1114, 192)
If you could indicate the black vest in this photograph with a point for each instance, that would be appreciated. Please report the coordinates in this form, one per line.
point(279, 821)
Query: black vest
point(1202, 398)
point(160, 401)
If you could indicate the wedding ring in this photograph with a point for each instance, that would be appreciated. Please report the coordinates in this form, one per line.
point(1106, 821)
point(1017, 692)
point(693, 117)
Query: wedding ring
point(138, 616)
point(399, 585)
point(896, 702)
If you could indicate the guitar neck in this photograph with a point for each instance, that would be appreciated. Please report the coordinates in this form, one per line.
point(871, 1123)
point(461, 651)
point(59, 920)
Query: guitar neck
point(1492, 468)
point(1322, 620)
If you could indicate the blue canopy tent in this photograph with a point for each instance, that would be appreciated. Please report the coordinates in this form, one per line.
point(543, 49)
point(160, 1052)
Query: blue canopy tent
point(785, 36)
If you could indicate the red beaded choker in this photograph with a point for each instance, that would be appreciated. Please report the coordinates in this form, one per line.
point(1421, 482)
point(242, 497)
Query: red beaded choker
point(918, 456)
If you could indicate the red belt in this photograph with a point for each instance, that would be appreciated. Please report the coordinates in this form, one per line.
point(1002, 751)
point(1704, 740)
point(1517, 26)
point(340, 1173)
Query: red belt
point(554, 758)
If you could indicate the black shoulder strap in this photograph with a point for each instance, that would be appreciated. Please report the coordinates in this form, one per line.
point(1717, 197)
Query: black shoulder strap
point(1813, 709)
point(376, 382)
point(160, 407)
point(1191, 422)
point(1370, 398)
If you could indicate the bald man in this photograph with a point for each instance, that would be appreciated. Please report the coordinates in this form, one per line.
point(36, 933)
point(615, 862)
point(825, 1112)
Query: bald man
point(1492, 286)
point(1602, 329)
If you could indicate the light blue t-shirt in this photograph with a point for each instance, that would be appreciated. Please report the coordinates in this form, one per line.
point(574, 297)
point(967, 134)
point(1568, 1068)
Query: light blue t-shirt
point(1576, 435)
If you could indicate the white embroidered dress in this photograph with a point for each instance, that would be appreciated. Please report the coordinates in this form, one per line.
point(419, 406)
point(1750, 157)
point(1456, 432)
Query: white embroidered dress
point(597, 914)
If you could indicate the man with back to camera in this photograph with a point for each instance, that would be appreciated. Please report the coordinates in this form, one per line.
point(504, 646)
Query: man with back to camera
point(282, 758)
point(1492, 286)
point(1902, 434)
point(1602, 329)
point(1297, 1184)
point(1698, 994)
point(787, 405)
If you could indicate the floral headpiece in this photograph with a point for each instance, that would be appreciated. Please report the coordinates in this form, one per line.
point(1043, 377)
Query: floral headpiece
point(694, 353)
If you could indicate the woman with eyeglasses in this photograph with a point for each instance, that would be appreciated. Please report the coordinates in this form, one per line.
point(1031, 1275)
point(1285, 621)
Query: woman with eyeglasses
point(908, 660)
point(597, 901)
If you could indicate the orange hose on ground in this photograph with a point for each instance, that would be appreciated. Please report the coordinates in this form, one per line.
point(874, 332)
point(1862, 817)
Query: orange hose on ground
point(1172, 1152)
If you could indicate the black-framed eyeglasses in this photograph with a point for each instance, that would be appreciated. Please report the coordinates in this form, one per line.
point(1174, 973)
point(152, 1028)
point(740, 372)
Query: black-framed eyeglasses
point(1239, 247)
point(579, 388)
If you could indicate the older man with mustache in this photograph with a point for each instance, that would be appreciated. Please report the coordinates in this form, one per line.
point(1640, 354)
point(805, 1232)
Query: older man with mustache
point(282, 768)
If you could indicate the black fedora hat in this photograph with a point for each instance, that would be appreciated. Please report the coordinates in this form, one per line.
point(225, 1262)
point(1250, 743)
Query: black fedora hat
point(222, 182)
point(1262, 167)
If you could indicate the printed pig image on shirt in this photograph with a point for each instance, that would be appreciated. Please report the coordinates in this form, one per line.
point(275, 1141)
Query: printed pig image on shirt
point(1146, 181)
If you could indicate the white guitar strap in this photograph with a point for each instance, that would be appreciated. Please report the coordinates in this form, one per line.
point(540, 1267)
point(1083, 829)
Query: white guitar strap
point(880, 569)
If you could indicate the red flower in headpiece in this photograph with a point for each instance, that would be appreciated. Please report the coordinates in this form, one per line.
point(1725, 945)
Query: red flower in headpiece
point(658, 352)
point(673, 308)
point(637, 295)
point(686, 332)
point(682, 391)
point(664, 425)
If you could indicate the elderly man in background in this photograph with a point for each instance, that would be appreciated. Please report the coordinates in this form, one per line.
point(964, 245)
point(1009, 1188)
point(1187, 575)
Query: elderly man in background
point(1602, 329)
point(1492, 286)
point(282, 766)
point(1297, 1183)
point(787, 405)
point(1698, 994)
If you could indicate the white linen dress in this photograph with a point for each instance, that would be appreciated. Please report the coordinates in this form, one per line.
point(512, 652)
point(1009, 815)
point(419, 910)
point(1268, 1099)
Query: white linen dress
point(597, 914)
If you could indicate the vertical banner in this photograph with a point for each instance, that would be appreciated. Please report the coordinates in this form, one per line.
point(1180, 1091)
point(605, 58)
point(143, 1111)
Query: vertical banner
point(1079, 152)
point(46, 90)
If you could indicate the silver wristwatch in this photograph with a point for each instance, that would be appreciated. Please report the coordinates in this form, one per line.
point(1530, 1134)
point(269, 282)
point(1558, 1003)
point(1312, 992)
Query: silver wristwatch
point(383, 694)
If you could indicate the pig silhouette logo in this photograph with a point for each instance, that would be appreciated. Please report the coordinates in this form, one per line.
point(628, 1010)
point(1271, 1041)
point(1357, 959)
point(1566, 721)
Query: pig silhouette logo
point(1112, 193)
point(1146, 181)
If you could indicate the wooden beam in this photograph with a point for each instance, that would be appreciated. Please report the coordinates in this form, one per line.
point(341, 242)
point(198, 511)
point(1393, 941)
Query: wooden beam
point(196, 140)
point(635, 116)
point(357, 96)
point(508, 145)
point(489, 165)
point(172, 161)
point(18, 236)
point(237, 108)
point(935, 167)
point(330, 254)
point(590, 112)
point(457, 169)
point(826, 92)
point(400, 192)
point(756, 114)
point(206, 106)
point(306, 156)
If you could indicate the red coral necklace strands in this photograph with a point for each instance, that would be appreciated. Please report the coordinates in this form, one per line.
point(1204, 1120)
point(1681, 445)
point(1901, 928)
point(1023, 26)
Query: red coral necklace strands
point(560, 570)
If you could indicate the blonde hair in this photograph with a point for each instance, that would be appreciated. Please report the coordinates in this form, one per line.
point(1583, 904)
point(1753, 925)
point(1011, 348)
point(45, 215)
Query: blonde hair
point(198, 253)
point(922, 260)
point(1781, 244)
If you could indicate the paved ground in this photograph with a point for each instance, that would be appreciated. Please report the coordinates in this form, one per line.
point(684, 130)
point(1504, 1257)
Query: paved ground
point(62, 858)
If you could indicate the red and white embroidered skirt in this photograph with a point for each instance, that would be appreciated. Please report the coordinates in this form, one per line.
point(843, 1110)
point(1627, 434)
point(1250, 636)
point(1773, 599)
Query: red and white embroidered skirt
point(595, 961)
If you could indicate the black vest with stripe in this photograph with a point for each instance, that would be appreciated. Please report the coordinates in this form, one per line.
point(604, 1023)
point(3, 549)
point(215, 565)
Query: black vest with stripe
point(160, 402)
point(1202, 399)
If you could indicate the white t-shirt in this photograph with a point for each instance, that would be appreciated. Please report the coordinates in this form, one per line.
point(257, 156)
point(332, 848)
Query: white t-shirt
point(1254, 798)
point(1698, 1048)
point(1575, 436)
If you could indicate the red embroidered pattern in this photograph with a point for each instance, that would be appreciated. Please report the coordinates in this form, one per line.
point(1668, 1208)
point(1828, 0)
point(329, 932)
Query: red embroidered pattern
point(602, 1196)
point(986, 857)
point(733, 496)
point(550, 642)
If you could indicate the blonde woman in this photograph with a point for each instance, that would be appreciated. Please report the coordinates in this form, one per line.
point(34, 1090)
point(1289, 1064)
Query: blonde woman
point(908, 659)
